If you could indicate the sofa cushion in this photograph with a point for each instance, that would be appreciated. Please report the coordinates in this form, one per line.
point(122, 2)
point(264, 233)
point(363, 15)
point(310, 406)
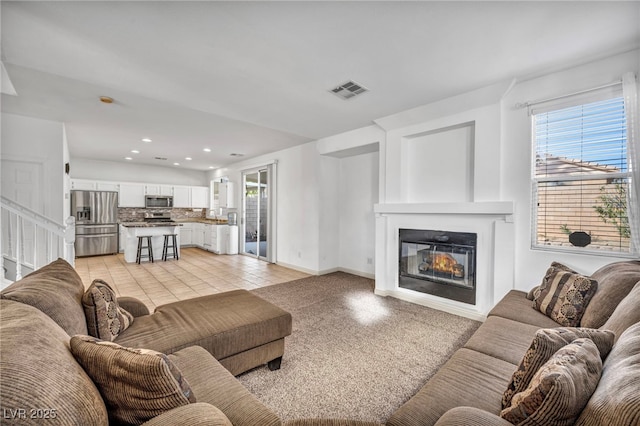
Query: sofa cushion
point(616, 400)
point(137, 384)
point(56, 289)
point(469, 378)
point(626, 314)
point(564, 295)
point(224, 324)
point(38, 370)
point(615, 281)
point(503, 338)
point(213, 384)
point(560, 388)
point(545, 343)
point(196, 414)
point(515, 306)
point(105, 318)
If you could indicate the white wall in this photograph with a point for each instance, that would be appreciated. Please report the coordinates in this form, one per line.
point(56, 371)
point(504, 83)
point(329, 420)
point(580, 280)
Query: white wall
point(357, 193)
point(40, 143)
point(516, 159)
point(299, 182)
point(82, 168)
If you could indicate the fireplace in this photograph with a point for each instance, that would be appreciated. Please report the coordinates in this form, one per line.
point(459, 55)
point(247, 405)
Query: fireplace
point(439, 262)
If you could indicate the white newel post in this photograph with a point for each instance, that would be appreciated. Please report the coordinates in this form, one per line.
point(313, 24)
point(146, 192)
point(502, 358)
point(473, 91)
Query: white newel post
point(69, 240)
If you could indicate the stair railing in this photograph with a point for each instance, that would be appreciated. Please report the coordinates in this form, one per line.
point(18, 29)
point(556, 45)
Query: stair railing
point(31, 240)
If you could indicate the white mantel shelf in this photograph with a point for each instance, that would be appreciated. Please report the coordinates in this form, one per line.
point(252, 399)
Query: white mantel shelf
point(462, 208)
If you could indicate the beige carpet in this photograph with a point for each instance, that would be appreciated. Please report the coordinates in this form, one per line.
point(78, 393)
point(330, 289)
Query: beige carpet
point(352, 354)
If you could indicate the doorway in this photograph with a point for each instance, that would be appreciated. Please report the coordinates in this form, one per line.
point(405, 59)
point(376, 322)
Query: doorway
point(257, 213)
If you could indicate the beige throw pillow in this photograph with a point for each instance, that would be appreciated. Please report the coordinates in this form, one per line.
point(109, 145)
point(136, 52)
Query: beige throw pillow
point(564, 295)
point(560, 389)
point(555, 266)
point(105, 318)
point(547, 342)
point(136, 384)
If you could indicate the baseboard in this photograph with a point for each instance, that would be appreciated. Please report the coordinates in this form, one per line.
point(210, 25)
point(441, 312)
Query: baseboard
point(441, 306)
point(327, 271)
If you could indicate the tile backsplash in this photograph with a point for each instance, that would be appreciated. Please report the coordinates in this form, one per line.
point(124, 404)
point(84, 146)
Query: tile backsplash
point(135, 214)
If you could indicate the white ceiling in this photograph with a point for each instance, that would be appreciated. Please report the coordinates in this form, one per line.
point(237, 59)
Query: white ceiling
point(254, 77)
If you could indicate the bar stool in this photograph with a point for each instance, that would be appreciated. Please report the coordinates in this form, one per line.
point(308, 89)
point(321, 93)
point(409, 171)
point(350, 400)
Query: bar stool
point(149, 248)
point(173, 246)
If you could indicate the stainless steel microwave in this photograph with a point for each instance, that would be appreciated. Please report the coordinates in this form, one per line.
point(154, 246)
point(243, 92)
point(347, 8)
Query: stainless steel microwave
point(158, 201)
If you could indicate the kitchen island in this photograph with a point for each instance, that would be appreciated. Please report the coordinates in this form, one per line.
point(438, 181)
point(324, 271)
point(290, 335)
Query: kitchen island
point(156, 230)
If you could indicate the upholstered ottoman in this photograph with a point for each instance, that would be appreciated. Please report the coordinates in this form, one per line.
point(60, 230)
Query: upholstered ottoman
point(239, 329)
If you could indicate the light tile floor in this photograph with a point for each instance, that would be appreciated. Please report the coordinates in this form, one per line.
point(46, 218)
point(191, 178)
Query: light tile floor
point(197, 273)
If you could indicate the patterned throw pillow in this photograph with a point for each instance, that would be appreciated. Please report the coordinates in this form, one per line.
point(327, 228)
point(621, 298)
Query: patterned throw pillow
point(560, 389)
point(547, 342)
point(564, 295)
point(105, 319)
point(136, 384)
point(555, 266)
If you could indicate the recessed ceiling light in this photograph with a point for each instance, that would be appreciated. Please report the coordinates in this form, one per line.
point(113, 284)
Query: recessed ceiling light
point(235, 154)
point(106, 99)
point(128, 158)
point(207, 150)
point(146, 140)
point(176, 164)
point(135, 151)
point(188, 158)
point(212, 167)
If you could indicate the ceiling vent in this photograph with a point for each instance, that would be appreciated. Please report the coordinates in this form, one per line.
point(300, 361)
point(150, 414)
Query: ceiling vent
point(349, 90)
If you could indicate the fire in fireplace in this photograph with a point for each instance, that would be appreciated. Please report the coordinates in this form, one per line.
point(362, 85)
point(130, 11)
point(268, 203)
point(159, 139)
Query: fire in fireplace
point(439, 263)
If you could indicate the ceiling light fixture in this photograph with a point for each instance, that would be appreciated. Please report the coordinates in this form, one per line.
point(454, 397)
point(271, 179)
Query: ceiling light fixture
point(128, 158)
point(176, 164)
point(135, 151)
point(207, 150)
point(146, 140)
point(188, 158)
point(212, 167)
point(106, 100)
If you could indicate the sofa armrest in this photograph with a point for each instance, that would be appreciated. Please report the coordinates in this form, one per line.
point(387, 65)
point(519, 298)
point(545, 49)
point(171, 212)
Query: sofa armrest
point(470, 416)
point(196, 414)
point(134, 306)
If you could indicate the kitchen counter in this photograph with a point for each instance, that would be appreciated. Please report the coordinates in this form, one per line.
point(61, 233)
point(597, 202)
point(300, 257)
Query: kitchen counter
point(149, 224)
point(204, 220)
point(156, 230)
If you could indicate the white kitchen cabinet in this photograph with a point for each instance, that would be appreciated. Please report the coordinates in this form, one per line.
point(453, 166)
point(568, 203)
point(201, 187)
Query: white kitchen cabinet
point(225, 195)
point(122, 237)
point(198, 234)
point(107, 186)
point(158, 190)
point(182, 196)
point(215, 238)
point(199, 197)
point(131, 195)
point(83, 185)
point(186, 234)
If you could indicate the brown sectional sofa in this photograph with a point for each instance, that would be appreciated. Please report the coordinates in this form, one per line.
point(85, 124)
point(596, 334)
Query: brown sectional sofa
point(468, 389)
point(38, 371)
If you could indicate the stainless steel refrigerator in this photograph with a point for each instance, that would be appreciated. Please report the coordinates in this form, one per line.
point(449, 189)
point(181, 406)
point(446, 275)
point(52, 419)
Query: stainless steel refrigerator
point(96, 215)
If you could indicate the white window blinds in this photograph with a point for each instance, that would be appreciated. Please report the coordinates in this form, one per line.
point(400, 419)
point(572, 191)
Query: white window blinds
point(581, 177)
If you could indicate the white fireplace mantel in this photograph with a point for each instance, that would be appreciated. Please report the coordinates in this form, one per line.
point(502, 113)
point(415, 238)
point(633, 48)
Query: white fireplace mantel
point(467, 208)
point(492, 221)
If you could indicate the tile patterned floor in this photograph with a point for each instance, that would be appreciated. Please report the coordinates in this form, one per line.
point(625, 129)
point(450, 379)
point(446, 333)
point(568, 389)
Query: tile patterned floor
point(197, 273)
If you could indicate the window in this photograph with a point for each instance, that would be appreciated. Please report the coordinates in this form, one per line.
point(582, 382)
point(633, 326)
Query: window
point(581, 178)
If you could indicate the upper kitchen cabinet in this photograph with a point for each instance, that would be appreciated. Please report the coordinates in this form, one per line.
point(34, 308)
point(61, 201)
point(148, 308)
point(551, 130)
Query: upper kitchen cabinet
point(92, 185)
point(199, 197)
point(222, 193)
point(159, 190)
point(194, 197)
point(131, 195)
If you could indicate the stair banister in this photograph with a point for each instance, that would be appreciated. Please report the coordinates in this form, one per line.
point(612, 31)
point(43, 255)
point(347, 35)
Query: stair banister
point(58, 239)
